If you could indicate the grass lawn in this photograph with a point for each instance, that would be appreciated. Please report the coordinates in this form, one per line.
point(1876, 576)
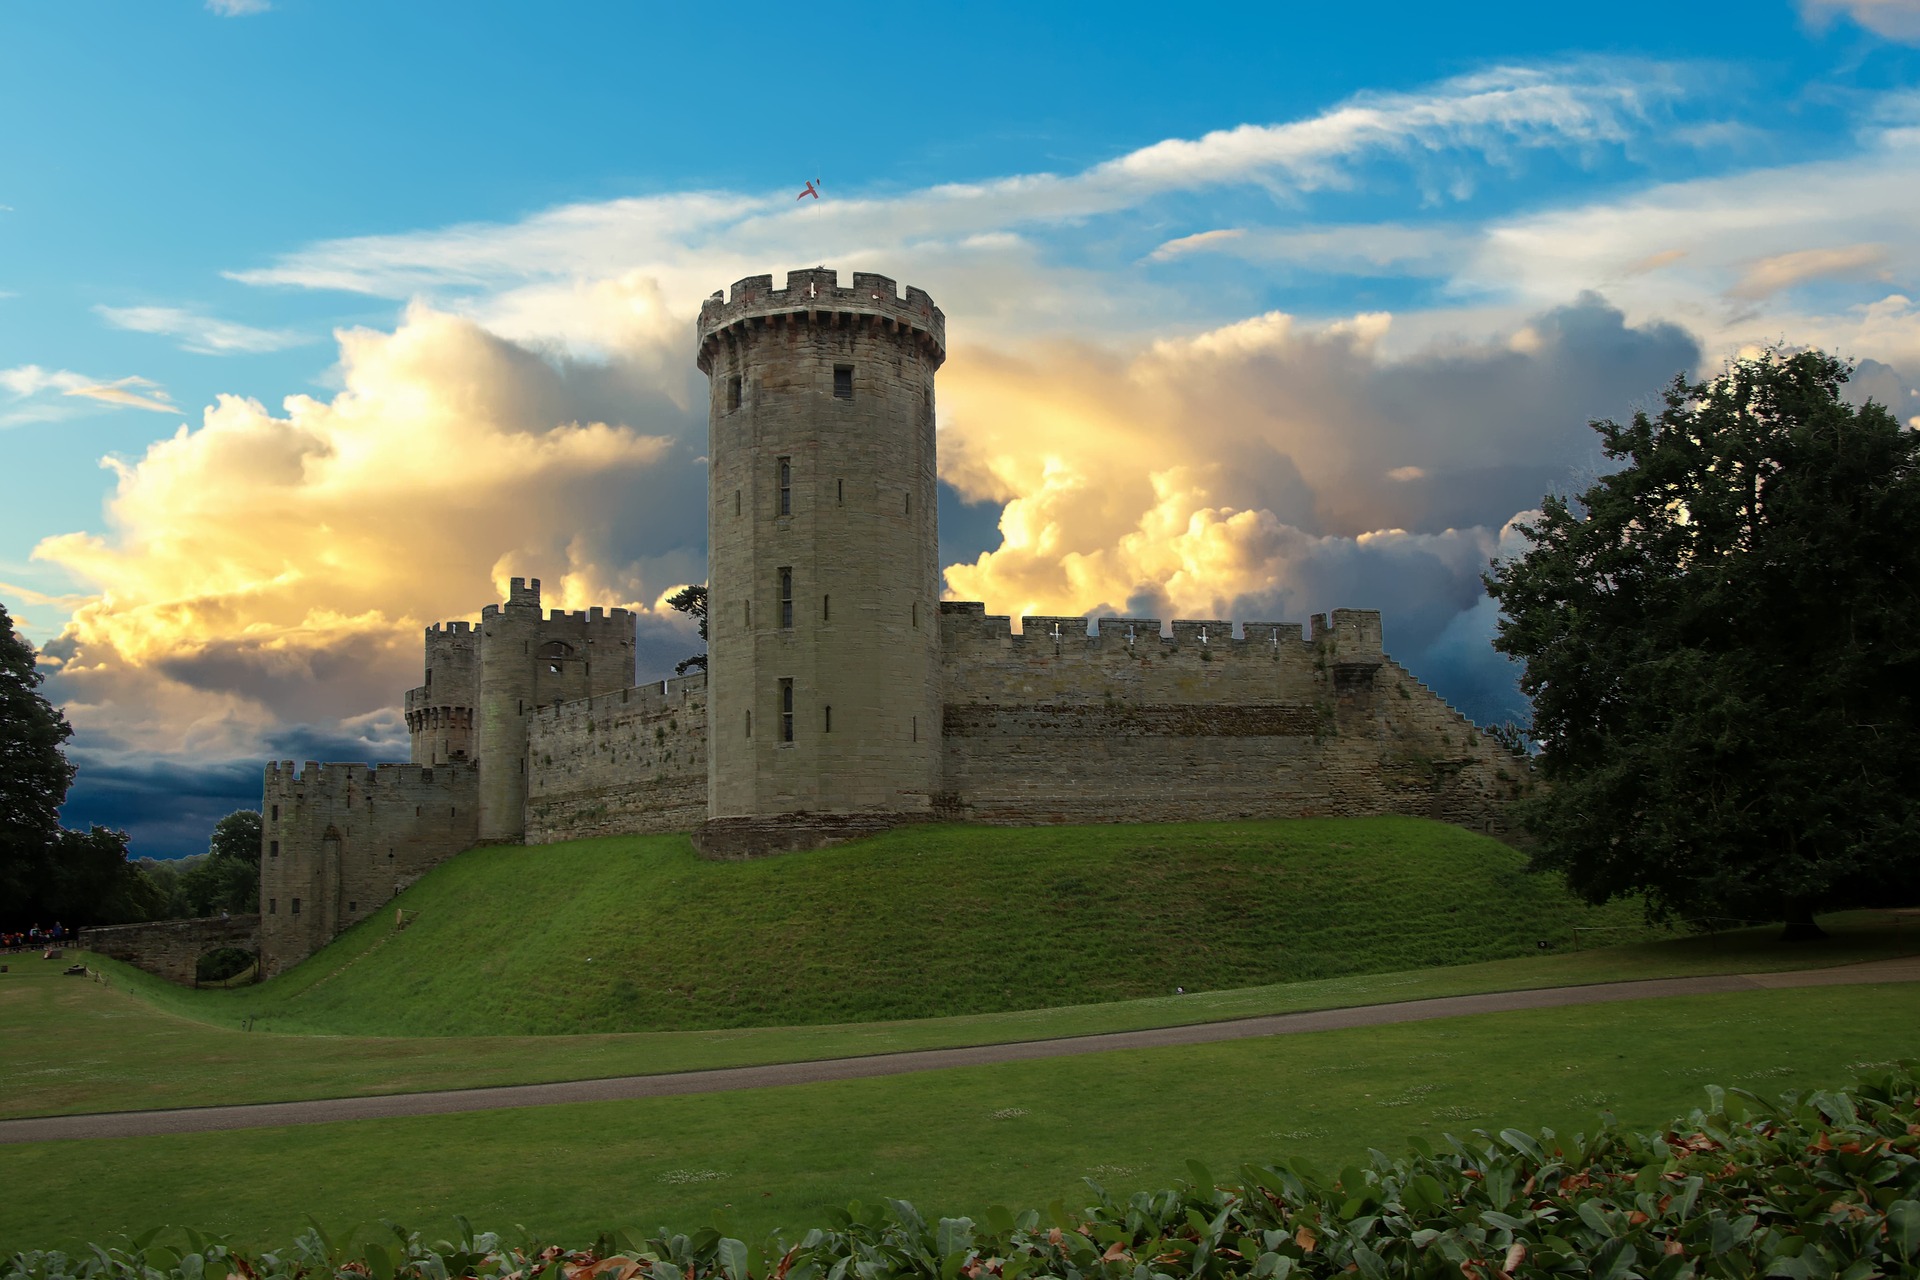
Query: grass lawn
point(68, 1045)
point(639, 934)
point(955, 1141)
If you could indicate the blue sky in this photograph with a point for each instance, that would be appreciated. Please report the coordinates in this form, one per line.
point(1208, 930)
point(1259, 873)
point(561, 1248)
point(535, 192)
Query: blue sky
point(1254, 311)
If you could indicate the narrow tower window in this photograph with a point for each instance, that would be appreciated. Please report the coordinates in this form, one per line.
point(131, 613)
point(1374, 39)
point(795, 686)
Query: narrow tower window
point(749, 724)
point(840, 493)
point(826, 608)
point(273, 848)
point(736, 502)
point(916, 613)
point(843, 382)
point(273, 906)
point(786, 711)
point(746, 613)
point(786, 599)
point(785, 468)
point(733, 393)
point(826, 721)
point(295, 909)
point(916, 728)
point(909, 504)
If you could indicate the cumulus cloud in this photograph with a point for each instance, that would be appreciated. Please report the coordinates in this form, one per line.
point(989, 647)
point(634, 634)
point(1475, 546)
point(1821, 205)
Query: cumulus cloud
point(203, 334)
point(268, 569)
point(1125, 425)
point(1271, 468)
point(238, 8)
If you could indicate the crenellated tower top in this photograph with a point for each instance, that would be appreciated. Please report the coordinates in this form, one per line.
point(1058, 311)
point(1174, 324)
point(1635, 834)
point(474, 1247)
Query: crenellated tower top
point(815, 297)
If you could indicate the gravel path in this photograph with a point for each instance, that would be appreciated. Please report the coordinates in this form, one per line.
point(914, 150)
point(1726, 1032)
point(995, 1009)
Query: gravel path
point(137, 1124)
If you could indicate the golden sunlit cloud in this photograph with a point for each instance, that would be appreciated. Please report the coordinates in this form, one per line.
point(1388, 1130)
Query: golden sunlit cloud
point(1770, 275)
point(266, 567)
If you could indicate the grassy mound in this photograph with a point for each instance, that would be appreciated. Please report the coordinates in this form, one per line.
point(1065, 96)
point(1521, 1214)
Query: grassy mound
point(638, 933)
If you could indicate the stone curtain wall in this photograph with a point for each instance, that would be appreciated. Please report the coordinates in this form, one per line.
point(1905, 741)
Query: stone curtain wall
point(341, 840)
point(619, 764)
point(1055, 725)
point(171, 948)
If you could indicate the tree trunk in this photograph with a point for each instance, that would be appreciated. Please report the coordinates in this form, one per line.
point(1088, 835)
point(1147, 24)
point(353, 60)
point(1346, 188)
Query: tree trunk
point(1801, 926)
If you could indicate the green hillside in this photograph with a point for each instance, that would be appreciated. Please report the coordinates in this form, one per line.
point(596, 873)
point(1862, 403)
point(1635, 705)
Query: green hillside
point(632, 934)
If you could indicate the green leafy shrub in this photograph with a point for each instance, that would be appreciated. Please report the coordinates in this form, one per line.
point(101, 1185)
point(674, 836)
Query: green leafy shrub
point(1822, 1185)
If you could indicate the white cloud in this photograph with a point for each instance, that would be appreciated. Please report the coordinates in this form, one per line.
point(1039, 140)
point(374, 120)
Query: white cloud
point(690, 241)
point(30, 386)
point(1894, 19)
point(265, 568)
point(203, 334)
point(238, 8)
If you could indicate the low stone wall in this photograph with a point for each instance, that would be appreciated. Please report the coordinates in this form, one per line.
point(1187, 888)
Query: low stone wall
point(172, 948)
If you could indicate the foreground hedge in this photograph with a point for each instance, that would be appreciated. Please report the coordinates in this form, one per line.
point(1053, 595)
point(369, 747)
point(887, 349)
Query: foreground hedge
point(1820, 1185)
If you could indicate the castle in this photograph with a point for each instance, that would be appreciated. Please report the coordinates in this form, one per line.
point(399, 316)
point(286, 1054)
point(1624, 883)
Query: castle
point(842, 695)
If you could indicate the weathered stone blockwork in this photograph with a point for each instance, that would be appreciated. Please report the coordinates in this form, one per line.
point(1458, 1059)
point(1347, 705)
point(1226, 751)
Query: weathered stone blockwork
point(342, 839)
point(619, 763)
point(171, 948)
point(1125, 725)
point(822, 545)
point(870, 703)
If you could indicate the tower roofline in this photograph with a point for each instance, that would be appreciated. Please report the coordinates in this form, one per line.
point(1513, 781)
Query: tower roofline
point(814, 296)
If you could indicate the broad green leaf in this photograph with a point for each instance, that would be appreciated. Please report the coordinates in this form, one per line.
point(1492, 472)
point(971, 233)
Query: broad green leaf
point(1524, 1143)
point(1613, 1260)
point(1903, 1226)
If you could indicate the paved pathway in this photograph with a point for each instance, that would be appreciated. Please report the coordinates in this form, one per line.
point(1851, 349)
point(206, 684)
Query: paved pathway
point(136, 1124)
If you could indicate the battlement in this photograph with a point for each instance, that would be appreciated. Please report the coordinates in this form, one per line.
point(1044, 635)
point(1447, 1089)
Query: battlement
point(654, 695)
point(815, 296)
point(968, 621)
point(522, 593)
point(451, 629)
point(326, 778)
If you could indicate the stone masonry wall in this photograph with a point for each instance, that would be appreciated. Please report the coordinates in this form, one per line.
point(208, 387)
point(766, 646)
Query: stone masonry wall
point(621, 763)
point(340, 840)
point(1055, 725)
point(823, 545)
point(171, 948)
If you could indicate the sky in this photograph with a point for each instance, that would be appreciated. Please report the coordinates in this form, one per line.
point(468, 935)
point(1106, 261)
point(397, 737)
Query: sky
point(320, 319)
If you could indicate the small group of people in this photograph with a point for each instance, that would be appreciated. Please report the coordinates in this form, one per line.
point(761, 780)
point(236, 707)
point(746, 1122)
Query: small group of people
point(35, 937)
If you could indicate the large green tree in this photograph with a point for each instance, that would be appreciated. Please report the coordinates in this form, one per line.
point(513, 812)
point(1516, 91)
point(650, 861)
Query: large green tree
point(48, 874)
point(1721, 640)
point(34, 776)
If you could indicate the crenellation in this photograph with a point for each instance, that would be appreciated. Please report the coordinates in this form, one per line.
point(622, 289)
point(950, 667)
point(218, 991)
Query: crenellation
point(1201, 631)
point(529, 726)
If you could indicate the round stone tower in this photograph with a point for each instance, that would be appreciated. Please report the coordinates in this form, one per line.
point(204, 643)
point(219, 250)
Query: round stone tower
point(506, 687)
point(822, 536)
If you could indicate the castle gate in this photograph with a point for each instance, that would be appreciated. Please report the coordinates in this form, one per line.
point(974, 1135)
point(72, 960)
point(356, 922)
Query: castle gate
point(171, 948)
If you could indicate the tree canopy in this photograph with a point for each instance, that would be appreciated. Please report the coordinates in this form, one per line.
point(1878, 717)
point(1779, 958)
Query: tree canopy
point(34, 775)
point(691, 600)
point(48, 874)
point(1722, 644)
